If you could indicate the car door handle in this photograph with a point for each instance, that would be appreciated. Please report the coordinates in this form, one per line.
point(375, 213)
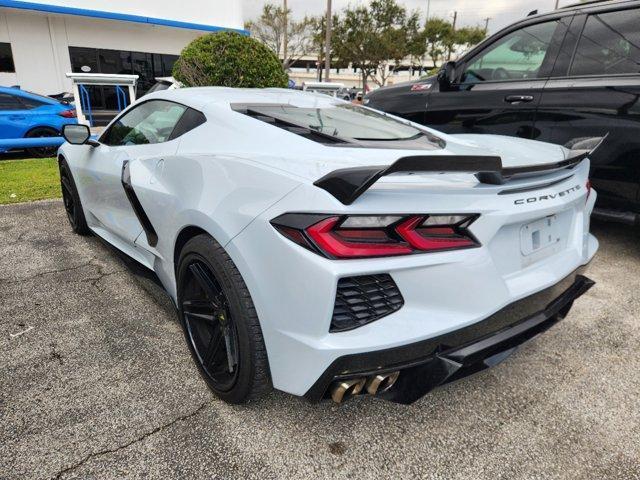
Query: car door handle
point(17, 117)
point(518, 98)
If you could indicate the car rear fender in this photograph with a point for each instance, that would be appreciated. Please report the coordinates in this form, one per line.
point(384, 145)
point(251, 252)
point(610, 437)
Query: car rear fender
point(220, 195)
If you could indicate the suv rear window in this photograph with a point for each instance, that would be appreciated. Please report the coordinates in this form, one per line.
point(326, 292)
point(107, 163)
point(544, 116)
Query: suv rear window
point(609, 45)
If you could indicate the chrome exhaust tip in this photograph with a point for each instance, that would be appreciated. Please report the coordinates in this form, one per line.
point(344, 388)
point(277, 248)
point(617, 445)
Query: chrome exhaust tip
point(344, 389)
point(381, 383)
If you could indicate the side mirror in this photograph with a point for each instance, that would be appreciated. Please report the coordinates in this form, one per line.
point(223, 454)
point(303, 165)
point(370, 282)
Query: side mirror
point(447, 75)
point(77, 134)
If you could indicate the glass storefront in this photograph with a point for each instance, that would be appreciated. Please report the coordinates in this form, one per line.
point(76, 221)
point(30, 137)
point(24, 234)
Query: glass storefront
point(98, 60)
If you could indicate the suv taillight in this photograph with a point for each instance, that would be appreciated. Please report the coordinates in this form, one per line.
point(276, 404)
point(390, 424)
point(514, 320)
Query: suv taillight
point(364, 236)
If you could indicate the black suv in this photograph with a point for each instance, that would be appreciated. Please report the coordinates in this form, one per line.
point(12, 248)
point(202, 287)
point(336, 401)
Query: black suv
point(565, 77)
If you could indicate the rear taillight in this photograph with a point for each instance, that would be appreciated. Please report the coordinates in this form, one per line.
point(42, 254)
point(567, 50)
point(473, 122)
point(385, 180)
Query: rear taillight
point(588, 186)
point(363, 236)
point(68, 113)
point(429, 237)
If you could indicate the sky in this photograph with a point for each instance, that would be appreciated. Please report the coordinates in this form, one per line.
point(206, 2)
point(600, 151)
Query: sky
point(470, 12)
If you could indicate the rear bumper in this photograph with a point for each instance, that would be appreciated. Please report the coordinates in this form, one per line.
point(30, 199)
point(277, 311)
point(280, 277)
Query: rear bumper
point(427, 364)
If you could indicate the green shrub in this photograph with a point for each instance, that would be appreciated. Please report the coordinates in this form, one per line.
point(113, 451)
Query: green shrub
point(229, 59)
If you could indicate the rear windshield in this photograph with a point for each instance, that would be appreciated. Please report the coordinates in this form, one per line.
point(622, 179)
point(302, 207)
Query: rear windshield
point(350, 122)
point(158, 87)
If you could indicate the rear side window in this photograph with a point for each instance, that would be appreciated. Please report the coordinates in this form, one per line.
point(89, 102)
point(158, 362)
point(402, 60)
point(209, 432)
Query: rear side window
point(609, 45)
point(9, 102)
point(147, 123)
point(31, 102)
point(516, 56)
point(189, 120)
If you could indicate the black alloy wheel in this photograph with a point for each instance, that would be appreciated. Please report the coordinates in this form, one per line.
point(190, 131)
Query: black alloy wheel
point(71, 200)
point(210, 326)
point(68, 200)
point(42, 152)
point(220, 322)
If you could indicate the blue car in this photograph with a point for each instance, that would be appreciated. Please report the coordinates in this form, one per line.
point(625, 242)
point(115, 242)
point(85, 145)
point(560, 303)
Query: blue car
point(25, 114)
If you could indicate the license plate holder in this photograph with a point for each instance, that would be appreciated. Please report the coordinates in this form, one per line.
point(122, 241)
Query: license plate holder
point(539, 235)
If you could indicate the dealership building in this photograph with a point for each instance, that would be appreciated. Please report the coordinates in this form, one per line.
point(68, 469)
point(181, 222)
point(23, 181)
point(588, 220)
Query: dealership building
point(40, 42)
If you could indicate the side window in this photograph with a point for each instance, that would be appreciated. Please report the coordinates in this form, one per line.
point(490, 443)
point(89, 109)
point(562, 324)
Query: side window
point(149, 122)
point(516, 56)
point(190, 120)
point(30, 102)
point(609, 44)
point(9, 102)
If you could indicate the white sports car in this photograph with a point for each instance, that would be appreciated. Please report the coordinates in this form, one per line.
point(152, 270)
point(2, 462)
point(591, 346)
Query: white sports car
point(330, 250)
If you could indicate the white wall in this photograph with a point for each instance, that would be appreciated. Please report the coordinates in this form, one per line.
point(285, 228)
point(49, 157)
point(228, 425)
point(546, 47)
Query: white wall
point(32, 52)
point(221, 13)
point(40, 44)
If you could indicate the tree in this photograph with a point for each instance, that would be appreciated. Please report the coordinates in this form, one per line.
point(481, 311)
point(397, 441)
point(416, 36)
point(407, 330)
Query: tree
point(229, 59)
point(416, 45)
point(467, 37)
point(437, 35)
point(398, 32)
point(318, 40)
point(374, 38)
point(270, 29)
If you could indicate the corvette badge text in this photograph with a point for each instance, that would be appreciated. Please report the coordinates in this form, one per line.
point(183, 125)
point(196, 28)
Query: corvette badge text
point(551, 196)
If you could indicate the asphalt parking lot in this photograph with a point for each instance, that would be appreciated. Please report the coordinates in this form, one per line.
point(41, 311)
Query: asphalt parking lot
point(96, 382)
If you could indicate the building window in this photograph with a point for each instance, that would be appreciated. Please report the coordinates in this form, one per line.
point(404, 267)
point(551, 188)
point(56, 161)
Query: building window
point(99, 60)
point(6, 58)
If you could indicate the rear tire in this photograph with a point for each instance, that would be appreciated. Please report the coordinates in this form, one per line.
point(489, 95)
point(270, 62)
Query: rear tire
point(42, 152)
point(220, 322)
point(71, 199)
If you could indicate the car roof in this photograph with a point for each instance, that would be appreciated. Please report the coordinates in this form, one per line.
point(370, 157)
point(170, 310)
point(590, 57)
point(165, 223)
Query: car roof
point(576, 7)
point(18, 92)
point(10, 90)
point(592, 3)
point(200, 97)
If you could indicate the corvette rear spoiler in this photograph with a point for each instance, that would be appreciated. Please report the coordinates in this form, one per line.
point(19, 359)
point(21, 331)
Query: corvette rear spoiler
point(347, 184)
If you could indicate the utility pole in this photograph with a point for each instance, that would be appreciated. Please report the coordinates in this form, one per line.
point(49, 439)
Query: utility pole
point(557, 4)
point(285, 35)
point(327, 45)
point(453, 26)
point(428, 8)
point(486, 24)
